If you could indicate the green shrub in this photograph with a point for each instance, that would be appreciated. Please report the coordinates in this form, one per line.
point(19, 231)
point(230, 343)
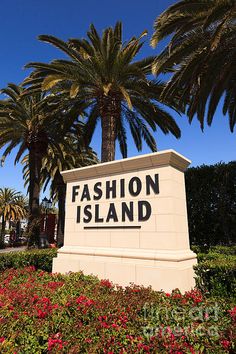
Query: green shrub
point(226, 250)
point(53, 313)
point(210, 256)
point(216, 274)
point(195, 248)
point(216, 270)
point(40, 259)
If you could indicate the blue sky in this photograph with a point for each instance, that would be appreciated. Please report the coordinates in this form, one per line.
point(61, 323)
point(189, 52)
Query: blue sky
point(21, 21)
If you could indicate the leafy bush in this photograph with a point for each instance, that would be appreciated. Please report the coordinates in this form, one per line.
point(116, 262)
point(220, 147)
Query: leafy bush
point(216, 274)
point(226, 250)
point(213, 252)
point(216, 270)
point(199, 249)
point(53, 313)
point(40, 259)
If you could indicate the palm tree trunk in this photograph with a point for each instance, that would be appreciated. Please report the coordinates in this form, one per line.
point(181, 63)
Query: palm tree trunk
point(3, 230)
point(108, 138)
point(61, 188)
point(110, 112)
point(18, 229)
point(35, 164)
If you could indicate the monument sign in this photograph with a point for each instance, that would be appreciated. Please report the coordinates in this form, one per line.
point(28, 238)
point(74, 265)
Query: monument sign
point(126, 221)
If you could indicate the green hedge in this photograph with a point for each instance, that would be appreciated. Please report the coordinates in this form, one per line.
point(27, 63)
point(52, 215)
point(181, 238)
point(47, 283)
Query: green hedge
point(226, 250)
point(40, 259)
point(216, 273)
point(211, 195)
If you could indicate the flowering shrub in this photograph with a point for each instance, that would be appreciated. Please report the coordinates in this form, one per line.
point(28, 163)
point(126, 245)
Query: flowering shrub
point(216, 270)
point(52, 313)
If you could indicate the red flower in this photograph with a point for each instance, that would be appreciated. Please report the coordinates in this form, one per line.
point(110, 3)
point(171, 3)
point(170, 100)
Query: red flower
point(114, 325)
point(52, 343)
point(225, 344)
point(55, 342)
point(2, 339)
point(100, 318)
point(41, 314)
point(106, 283)
point(89, 302)
point(81, 299)
point(55, 284)
point(144, 347)
point(177, 296)
point(233, 313)
point(35, 298)
point(46, 300)
point(104, 325)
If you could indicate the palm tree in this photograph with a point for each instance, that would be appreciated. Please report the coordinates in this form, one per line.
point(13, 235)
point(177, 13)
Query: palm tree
point(72, 155)
point(12, 207)
point(29, 122)
point(53, 164)
point(103, 72)
point(202, 53)
point(24, 203)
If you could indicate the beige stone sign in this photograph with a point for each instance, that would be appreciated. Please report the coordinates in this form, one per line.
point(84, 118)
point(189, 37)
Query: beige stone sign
point(127, 221)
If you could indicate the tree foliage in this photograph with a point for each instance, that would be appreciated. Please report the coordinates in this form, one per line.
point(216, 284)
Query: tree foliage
point(13, 206)
point(202, 54)
point(102, 71)
point(211, 201)
point(34, 122)
point(73, 154)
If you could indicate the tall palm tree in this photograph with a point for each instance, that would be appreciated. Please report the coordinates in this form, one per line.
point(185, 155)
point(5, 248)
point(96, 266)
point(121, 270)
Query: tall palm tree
point(202, 53)
point(29, 122)
point(72, 155)
point(102, 71)
point(12, 207)
point(23, 125)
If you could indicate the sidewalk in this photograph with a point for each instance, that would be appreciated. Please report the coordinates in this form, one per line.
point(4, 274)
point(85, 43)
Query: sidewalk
point(13, 249)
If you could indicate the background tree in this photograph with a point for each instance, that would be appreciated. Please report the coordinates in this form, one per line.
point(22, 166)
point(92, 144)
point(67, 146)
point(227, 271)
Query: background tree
point(102, 71)
point(29, 122)
point(52, 167)
point(12, 207)
point(202, 53)
point(23, 123)
point(72, 155)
